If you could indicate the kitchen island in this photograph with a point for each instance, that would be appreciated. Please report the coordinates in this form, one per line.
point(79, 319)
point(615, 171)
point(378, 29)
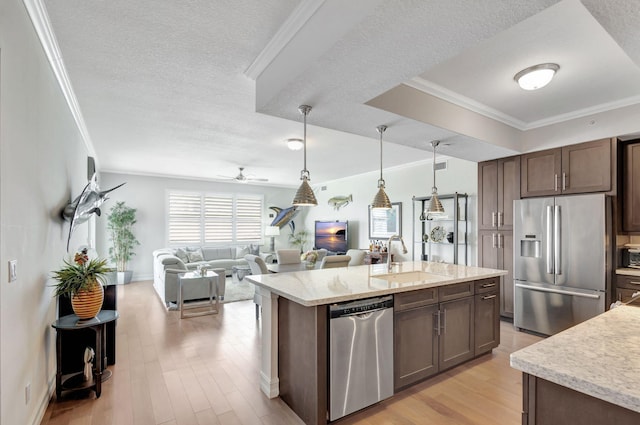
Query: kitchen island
point(587, 374)
point(295, 323)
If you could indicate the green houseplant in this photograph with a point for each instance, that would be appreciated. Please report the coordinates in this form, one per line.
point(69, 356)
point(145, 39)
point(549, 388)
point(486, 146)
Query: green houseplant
point(299, 239)
point(120, 226)
point(82, 281)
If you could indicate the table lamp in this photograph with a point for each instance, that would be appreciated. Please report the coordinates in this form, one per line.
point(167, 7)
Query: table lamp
point(272, 231)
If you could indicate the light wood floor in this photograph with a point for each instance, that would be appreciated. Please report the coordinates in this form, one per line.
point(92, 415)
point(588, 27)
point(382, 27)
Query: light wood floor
point(205, 370)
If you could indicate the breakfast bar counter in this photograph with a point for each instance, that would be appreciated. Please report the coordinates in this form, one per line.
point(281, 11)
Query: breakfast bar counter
point(587, 374)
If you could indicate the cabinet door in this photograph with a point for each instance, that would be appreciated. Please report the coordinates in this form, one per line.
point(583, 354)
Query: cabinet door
point(488, 195)
point(456, 335)
point(631, 189)
point(487, 249)
point(586, 167)
point(416, 345)
point(487, 322)
point(508, 190)
point(505, 253)
point(540, 173)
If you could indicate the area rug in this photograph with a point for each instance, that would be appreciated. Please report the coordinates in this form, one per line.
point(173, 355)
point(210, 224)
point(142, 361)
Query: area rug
point(238, 291)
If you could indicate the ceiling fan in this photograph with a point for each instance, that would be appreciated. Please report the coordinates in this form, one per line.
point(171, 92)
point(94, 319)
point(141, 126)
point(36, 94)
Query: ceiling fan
point(242, 178)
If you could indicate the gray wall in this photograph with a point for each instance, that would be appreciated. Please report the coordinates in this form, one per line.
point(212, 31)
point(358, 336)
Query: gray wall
point(43, 166)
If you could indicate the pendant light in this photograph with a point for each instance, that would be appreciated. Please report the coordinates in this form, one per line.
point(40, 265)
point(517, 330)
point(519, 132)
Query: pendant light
point(435, 206)
point(305, 196)
point(381, 200)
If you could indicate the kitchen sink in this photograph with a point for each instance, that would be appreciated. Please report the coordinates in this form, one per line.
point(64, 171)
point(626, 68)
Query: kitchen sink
point(404, 277)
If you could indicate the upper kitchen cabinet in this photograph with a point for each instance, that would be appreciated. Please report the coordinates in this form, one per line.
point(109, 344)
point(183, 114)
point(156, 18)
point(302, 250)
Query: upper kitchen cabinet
point(631, 188)
point(498, 187)
point(582, 168)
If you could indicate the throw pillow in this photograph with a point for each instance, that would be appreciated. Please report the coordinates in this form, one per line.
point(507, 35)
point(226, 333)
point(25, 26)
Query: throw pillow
point(254, 249)
point(241, 251)
point(181, 253)
point(195, 256)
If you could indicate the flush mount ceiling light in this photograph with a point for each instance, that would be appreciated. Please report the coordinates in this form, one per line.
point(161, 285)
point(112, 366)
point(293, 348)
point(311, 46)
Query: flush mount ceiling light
point(305, 196)
point(295, 144)
point(435, 206)
point(381, 200)
point(537, 76)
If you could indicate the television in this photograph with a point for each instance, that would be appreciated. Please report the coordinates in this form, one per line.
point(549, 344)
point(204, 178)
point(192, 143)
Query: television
point(332, 236)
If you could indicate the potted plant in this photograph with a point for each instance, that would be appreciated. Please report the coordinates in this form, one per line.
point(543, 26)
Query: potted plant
point(299, 239)
point(120, 225)
point(82, 281)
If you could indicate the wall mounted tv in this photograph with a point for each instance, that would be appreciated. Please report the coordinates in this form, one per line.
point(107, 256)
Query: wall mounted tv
point(332, 236)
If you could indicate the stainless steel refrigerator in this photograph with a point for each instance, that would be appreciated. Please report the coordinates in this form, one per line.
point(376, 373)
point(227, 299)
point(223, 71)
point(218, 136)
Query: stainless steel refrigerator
point(562, 261)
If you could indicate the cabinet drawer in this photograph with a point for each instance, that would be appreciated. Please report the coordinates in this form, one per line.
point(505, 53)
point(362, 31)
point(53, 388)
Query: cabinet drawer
point(414, 299)
point(629, 282)
point(453, 292)
point(487, 285)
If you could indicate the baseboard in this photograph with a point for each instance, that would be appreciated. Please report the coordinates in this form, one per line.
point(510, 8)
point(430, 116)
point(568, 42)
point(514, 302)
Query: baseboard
point(44, 402)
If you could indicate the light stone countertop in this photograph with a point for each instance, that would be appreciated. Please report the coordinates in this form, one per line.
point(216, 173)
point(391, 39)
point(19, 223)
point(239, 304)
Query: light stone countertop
point(627, 271)
point(599, 357)
point(327, 286)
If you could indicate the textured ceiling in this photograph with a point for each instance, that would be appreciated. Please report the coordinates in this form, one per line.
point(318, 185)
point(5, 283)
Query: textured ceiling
point(200, 88)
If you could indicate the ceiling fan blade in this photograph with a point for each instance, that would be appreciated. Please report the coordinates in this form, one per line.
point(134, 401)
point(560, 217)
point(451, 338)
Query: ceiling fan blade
point(257, 179)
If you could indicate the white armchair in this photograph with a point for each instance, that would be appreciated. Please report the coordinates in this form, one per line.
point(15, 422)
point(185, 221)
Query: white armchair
point(288, 256)
point(258, 266)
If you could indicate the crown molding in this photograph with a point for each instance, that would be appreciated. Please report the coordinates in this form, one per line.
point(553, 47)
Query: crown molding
point(464, 102)
point(298, 18)
point(41, 23)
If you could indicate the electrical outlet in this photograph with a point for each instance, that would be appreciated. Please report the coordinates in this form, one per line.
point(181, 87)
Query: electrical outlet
point(27, 393)
point(13, 270)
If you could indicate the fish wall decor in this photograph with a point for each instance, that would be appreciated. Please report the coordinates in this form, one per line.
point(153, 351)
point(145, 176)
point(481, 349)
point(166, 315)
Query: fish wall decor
point(80, 209)
point(285, 216)
point(338, 202)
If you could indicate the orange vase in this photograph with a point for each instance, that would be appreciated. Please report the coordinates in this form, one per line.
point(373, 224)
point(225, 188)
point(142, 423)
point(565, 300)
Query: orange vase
point(86, 304)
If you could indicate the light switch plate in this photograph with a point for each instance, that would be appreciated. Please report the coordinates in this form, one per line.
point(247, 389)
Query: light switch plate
point(13, 270)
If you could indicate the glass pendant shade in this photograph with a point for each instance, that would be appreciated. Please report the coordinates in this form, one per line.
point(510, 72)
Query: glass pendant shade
point(304, 196)
point(381, 200)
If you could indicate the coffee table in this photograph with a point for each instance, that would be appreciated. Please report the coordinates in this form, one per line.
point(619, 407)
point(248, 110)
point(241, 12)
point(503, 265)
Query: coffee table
point(197, 278)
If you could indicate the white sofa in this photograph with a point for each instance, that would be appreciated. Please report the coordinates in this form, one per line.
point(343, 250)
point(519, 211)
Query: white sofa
point(168, 263)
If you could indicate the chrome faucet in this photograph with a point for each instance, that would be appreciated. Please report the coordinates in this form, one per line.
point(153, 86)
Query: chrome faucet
point(404, 250)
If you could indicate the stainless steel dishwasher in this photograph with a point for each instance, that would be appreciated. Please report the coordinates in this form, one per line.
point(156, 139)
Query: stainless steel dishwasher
point(360, 354)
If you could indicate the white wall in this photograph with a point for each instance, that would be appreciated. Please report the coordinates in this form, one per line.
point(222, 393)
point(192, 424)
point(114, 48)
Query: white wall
point(42, 166)
point(402, 184)
point(148, 196)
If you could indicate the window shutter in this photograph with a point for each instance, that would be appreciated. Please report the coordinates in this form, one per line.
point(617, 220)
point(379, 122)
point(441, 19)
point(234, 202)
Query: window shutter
point(184, 218)
point(248, 219)
point(218, 219)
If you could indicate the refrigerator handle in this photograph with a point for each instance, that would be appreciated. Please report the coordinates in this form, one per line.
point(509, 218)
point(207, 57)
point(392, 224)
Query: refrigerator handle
point(549, 240)
point(557, 240)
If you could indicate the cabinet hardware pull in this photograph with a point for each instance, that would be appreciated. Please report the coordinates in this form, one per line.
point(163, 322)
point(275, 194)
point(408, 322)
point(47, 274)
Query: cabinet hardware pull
point(493, 240)
point(634, 283)
point(555, 178)
point(564, 181)
point(488, 285)
point(488, 297)
point(437, 329)
point(500, 222)
point(444, 321)
point(493, 219)
point(500, 236)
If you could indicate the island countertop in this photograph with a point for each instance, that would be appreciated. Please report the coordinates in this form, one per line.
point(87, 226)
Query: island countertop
point(599, 357)
point(327, 286)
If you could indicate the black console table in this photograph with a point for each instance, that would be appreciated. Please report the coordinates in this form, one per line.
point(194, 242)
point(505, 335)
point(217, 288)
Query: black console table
point(71, 324)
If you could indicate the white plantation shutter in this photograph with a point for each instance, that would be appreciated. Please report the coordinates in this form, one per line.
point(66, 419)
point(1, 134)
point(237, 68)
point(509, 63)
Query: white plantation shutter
point(218, 219)
point(185, 211)
point(209, 219)
point(248, 219)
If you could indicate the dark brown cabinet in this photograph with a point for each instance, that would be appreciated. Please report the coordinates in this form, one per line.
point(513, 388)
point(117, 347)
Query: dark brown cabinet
point(495, 250)
point(631, 188)
point(499, 186)
point(581, 168)
point(625, 287)
point(487, 315)
point(435, 329)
